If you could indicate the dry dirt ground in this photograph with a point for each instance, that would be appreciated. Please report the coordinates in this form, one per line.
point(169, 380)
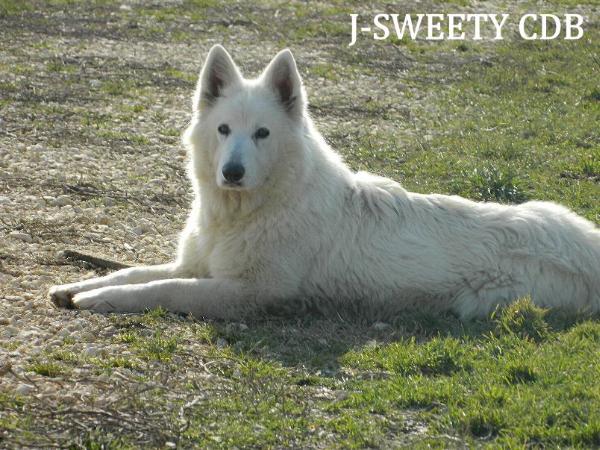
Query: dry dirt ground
point(93, 99)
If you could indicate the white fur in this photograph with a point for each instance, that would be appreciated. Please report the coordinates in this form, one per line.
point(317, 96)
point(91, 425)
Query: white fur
point(302, 226)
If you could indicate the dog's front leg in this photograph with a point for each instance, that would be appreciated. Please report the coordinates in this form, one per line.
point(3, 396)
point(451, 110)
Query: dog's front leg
point(210, 298)
point(62, 295)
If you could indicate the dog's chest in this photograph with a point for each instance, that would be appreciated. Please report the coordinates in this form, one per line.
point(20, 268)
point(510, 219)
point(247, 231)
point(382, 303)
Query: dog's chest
point(233, 255)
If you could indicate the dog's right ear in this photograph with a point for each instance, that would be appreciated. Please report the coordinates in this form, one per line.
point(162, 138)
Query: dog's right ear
point(218, 73)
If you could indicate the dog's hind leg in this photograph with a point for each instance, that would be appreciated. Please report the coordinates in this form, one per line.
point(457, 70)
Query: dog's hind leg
point(62, 295)
point(210, 298)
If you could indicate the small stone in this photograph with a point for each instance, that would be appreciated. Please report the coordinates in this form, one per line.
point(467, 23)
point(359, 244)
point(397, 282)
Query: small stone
point(143, 227)
point(63, 200)
point(95, 83)
point(4, 200)
point(103, 378)
point(10, 331)
point(103, 219)
point(371, 343)
point(28, 335)
point(49, 199)
point(138, 230)
point(76, 325)
point(222, 343)
point(87, 336)
point(29, 305)
point(64, 333)
point(24, 389)
point(21, 236)
point(381, 326)
point(91, 350)
point(55, 342)
point(37, 148)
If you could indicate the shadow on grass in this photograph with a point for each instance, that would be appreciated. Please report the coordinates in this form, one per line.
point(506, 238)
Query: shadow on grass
point(316, 343)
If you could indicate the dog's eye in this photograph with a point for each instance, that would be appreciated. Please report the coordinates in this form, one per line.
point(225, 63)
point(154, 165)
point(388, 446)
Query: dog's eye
point(224, 129)
point(261, 133)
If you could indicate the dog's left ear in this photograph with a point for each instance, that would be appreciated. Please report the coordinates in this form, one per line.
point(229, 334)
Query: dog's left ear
point(282, 76)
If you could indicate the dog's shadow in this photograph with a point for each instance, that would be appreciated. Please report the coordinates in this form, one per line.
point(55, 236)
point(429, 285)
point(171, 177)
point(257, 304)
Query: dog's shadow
point(317, 344)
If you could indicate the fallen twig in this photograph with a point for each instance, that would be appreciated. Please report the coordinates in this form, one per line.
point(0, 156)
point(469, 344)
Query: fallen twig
point(96, 261)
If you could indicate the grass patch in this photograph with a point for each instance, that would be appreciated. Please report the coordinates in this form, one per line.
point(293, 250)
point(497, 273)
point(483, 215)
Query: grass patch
point(540, 117)
point(124, 137)
point(59, 66)
point(47, 368)
point(490, 184)
point(172, 72)
point(524, 319)
point(119, 88)
point(12, 7)
point(326, 71)
point(520, 373)
point(159, 347)
point(488, 385)
point(436, 357)
point(152, 345)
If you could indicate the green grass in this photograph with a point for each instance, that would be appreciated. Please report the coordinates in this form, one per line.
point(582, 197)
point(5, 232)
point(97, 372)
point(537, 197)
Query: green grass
point(194, 10)
point(525, 377)
point(12, 7)
point(124, 137)
point(185, 76)
point(56, 65)
point(121, 88)
point(519, 385)
point(47, 368)
point(530, 132)
point(490, 184)
point(511, 121)
point(326, 71)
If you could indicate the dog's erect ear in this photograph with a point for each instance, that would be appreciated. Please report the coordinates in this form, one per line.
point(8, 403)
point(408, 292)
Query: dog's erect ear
point(219, 72)
point(282, 76)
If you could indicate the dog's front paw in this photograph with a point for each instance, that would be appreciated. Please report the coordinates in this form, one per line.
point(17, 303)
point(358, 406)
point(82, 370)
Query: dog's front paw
point(96, 300)
point(62, 296)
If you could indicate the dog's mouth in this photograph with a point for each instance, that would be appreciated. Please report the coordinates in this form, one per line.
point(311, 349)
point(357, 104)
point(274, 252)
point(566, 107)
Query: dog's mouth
point(233, 185)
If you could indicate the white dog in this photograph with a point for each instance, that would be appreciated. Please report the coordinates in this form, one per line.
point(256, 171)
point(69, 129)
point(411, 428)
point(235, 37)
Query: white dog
point(277, 217)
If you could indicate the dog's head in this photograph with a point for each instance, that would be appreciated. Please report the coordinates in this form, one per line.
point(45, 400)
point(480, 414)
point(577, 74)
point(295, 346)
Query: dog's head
point(245, 129)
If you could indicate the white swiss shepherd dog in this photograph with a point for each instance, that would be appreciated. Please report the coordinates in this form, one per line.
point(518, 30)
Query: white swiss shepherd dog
point(278, 217)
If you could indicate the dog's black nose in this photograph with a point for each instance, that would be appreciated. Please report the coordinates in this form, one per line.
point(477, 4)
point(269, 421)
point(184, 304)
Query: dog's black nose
point(233, 172)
